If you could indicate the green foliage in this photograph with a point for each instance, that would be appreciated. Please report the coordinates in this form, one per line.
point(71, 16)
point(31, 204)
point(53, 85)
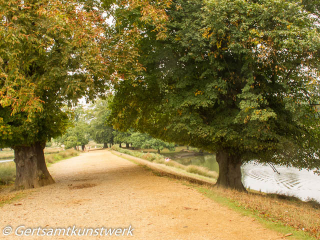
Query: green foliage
point(142, 140)
point(230, 75)
point(122, 137)
point(51, 53)
point(76, 136)
point(100, 130)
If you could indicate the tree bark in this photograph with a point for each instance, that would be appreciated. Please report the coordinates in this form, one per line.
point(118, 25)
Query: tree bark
point(31, 168)
point(119, 145)
point(159, 151)
point(83, 147)
point(127, 145)
point(229, 170)
point(105, 145)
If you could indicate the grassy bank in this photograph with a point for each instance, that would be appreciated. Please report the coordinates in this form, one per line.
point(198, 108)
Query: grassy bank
point(157, 158)
point(7, 153)
point(8, 170)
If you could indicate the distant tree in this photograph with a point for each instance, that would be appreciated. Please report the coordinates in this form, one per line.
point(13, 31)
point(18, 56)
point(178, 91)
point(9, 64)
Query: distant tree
point(101, 131)
point(51, 53)
point(235, 78)
point(122, 137)
point(77, 136)
point(142, 140)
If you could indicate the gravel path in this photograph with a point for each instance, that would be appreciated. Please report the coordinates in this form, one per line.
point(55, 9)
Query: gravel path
point(98, 189)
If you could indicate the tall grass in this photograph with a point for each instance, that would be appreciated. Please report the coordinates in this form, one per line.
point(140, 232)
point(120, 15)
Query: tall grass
point(8, 170)
point(157, 158)
point(52, 158)
point(9, 154)
point(7, 173)
point(6, 155)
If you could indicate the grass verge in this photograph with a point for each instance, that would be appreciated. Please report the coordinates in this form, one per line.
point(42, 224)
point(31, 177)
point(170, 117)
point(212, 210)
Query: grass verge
point(157, 158)
point(8, 170)
point(8, 195)
point(53, 158)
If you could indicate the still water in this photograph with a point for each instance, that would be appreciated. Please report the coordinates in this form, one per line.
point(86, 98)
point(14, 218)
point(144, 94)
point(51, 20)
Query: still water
point(302, 184)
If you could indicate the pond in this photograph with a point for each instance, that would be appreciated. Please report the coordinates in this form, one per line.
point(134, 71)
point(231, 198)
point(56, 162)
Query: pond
point(291, 181)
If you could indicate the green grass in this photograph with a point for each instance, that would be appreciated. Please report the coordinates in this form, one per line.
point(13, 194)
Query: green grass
point(8, 170)
point(53, 158)
point(7, 173)
point(157, 158)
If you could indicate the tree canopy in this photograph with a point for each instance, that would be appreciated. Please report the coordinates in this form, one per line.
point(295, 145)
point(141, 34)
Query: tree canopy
point(233, 77)
point(52, 53)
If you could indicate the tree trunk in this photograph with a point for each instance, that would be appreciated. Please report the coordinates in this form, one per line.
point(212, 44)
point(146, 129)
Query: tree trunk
point(105, 145)
point(119, 145)
point(75, 147)
point(83, 147)
point(31, 168)
point(159, 151)
point(229, 170)
point(127, 145)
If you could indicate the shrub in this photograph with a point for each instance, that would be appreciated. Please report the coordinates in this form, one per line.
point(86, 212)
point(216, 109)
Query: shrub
point(115, 148)
point(148, 156)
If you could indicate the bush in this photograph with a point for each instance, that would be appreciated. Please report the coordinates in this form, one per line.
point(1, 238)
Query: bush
point(148, 156)
point(137, 154)
point(115, 148)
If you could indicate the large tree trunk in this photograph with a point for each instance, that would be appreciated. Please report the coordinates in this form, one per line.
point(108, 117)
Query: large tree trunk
point(119, 145)
point(229, 170)
point(31, 168)
point(105, 145)
point(83, 147)
point(127, 145)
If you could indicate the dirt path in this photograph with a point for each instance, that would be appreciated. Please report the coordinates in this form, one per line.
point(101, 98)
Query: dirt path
point(98, 189)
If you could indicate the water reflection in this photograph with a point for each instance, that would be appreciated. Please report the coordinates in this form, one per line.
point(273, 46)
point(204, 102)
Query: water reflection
point(302, 184)
point(291, 181)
